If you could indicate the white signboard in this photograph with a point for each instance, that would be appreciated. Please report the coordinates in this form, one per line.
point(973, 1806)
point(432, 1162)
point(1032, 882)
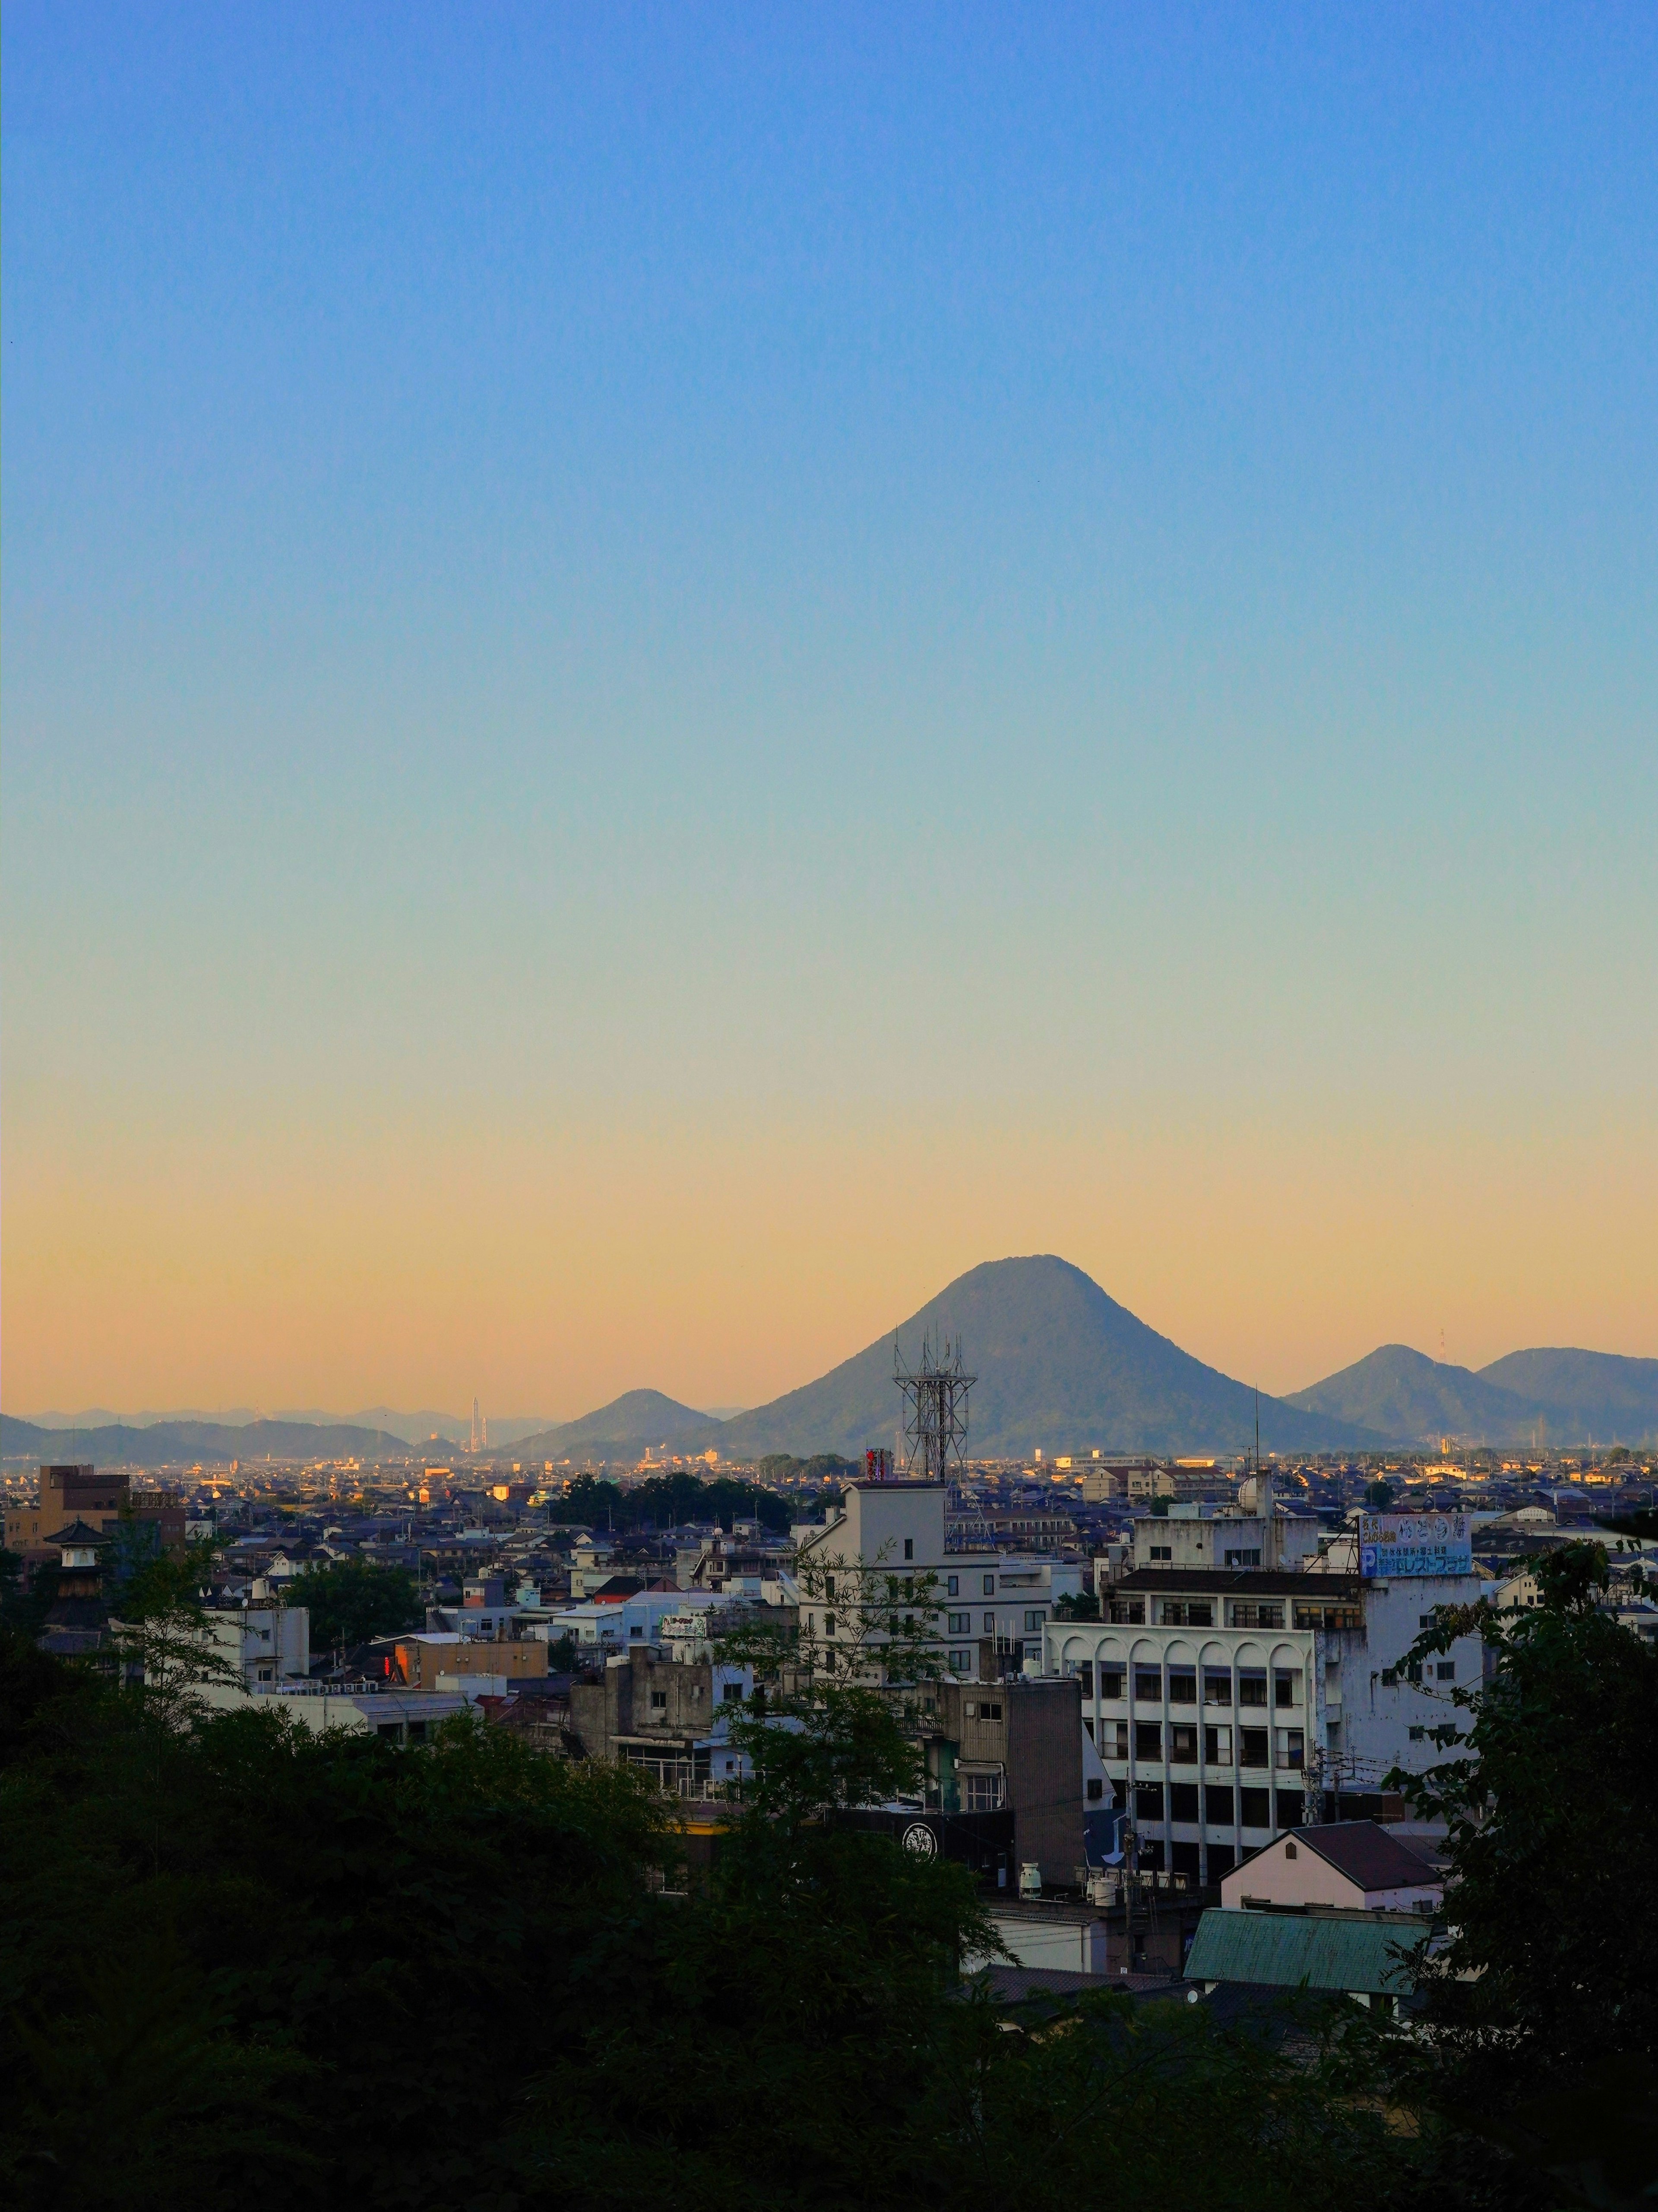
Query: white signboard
point(1398, 1544)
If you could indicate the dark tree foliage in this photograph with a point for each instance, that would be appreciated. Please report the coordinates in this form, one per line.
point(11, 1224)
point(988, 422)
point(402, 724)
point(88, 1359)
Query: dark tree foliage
point(323, 1975)
point(1545, 2005)
point(353, 1600)
point(667, 1501)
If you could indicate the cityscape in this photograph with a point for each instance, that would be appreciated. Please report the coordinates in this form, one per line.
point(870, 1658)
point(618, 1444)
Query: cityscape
point(829, 1108)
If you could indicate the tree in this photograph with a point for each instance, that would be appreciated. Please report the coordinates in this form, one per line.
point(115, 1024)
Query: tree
point(353, 1600)
point(1379, 1494)
point(1545, 1998)
point(1084, 1605)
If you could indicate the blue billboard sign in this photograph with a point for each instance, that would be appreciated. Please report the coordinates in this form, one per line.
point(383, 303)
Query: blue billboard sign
point(1395, 1545)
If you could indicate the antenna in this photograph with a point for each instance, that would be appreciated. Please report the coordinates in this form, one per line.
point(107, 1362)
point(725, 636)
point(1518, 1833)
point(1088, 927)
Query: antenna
point(934, 1421)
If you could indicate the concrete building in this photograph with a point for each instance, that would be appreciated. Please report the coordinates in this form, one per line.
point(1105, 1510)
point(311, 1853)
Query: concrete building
point(666, 1716)
point(616, 1626)
point(1017, 1745)
point(1354, 1864)
point(395, 1716)
point(1218, 1702)
point(422, 1659)
point(992, 1606)
point(80, 1493)
point(263, 1643)
point(1225, 1538)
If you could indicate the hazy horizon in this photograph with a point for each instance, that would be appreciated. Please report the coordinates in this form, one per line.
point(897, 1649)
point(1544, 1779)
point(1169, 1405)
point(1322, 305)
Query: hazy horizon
point(670, 675)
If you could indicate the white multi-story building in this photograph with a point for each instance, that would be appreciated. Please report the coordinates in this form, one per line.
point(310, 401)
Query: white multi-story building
point(994, 1608)
point(1217, 1699)
point(263, 1643)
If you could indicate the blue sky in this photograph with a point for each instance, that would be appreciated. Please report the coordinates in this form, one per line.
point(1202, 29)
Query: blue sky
point(1041, 617)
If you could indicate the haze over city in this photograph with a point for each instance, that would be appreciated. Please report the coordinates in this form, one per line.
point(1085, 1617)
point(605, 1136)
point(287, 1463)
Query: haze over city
point(672, 675)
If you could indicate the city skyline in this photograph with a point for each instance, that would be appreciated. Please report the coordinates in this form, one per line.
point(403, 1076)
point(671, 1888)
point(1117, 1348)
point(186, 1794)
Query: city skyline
point(669, 677)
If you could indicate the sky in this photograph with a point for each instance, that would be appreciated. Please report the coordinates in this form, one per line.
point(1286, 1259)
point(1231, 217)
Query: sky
point(669, 672)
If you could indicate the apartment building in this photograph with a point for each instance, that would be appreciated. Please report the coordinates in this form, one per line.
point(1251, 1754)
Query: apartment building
point(1221, 1702)
point(992, 1607)
point(80, 1493)
point(263, 1643)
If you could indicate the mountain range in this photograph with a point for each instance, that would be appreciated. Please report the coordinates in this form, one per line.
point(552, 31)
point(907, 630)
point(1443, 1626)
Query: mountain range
point(1059, 1366)
point(1557, 1396)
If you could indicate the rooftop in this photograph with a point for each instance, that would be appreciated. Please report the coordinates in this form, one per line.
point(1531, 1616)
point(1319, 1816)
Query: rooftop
point(1365, 1852)
point(1246, 1581)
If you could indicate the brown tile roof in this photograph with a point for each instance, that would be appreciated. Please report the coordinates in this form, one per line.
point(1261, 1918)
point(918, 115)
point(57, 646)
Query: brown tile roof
point(1368, 1855)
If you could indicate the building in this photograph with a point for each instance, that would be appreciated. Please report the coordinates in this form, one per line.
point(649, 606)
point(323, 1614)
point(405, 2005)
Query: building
point(1354, 1864)
point(664, 1715)
point(1360, 1955)
point(77, 1621)
point(263, 1643)
point(992, 1606)
point(613, 1626)
point(420, 1659)
point(1224, 1704)
point(1226, 1538)
point(396, 1715)
point(79, 1492)
point(1015, 1746)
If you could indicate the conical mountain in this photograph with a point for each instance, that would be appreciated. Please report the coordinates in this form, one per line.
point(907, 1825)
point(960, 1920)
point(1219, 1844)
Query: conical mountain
point(1603, 1394)
point(1060, 1365)
point(637, 1422)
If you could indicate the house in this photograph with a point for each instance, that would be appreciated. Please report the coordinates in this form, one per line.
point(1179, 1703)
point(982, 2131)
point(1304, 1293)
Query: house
point(1362, 1955)
point(1355, 1864)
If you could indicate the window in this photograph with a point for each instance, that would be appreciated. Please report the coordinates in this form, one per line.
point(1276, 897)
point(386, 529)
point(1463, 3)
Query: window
point(1286, 1688)
point(829, 1586)
point(990, 1712)
point(1183, 1747)
point(990, 1624)
point(1255, 1808)
point(1148, 1739)
point(1254, 1749)
point(1424, 1620)
point(1292, 1749)
point(1328, 1616)
point(1418, 1735)
point(1217, 1804)
point(1242, 1558)
point(828, 1624)
point(1128, 1611)
point(638, 1629)
point(1111, 1681)
point(1217, 1689)
point(1113, 1739)
point(982, 1793)
point(1251, 1688)
point(990, 1585)
point(659, 1700)
point(1255, 1612)
point(1085, 1676)
point(961, 1663)
point(417, 1732)
point(961, 1624)
point(1162, 1551)
point(1182, 1688)
point(1220, 1861)
point(1148, 1802)
point(1095, 1790)
point(952, 1586)
point(1446, 1670)
point(1033, 1621)
point(1182, 1801)
point(910, 1547)
point(1217, 1746)
point(1148, 1686)
point(1187, 1613)
point(1290, 1808)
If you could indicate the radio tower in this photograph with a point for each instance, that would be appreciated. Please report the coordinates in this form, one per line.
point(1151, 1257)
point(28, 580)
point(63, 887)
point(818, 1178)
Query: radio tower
point(935, 1410)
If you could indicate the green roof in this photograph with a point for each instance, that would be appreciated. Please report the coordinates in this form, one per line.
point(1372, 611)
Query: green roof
point(1295, 1950)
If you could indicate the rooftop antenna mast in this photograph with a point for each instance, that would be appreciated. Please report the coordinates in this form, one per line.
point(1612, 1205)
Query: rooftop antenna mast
point(934, 1393)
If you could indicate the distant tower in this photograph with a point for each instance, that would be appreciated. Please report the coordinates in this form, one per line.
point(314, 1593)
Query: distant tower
point(473, 1446)
point(934, 1395)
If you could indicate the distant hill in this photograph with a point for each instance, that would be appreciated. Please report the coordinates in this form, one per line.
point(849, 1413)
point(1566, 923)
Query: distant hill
point(1060, 1363)
point(638, 1421)
point(1601, 1395)
point(1415, 1400)
point(172, 1444)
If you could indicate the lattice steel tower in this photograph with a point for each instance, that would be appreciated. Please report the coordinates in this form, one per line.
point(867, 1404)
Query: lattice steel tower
point(935, 1410)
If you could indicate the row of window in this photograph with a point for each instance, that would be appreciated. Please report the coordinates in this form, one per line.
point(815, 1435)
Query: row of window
point(1125, 1612)
point(1256, 1747)
point(1251, 1686)
point(953, 1583)
point(961, 1624)
point(1255, 1808)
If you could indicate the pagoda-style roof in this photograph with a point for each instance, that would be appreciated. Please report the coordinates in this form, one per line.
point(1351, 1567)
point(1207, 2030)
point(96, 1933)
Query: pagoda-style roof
point(79, 1536)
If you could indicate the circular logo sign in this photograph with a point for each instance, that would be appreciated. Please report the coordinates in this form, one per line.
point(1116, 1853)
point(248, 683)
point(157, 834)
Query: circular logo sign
point(920, 1838)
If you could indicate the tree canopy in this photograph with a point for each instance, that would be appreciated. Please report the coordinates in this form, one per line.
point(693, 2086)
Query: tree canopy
point(353, 1600)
